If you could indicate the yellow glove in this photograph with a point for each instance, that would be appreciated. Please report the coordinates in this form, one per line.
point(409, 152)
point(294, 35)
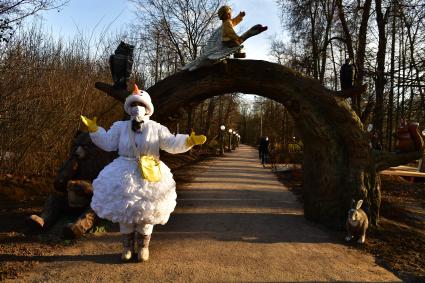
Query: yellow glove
point(195, 140)
point(91, 124)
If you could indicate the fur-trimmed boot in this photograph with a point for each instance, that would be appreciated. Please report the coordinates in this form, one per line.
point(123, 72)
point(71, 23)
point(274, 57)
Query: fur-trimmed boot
point(128, 246)
point(143, 246)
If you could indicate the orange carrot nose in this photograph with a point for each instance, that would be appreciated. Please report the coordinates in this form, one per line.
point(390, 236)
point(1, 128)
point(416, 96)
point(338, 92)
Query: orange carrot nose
point(136, 89)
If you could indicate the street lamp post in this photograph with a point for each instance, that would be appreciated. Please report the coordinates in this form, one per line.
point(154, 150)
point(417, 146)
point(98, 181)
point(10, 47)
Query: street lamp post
point(222, 128)
point(230, 139)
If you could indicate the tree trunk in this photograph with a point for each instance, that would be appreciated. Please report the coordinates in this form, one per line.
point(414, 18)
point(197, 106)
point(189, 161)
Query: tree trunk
point(397, 111)
point(361, 46)
point(378, 117)
point(361, 50)
point(329, 21)
point(346, 30)
point(413, 65)
point(314, 46)
point(189, 125)
point(210, 114)
point(391, 95)
point(403, 79)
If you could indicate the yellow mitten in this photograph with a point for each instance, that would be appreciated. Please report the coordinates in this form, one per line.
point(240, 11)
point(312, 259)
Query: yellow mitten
point(193, 139)
point(91, 124)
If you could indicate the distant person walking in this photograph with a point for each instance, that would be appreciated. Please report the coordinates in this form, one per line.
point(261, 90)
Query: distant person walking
point(264, 150)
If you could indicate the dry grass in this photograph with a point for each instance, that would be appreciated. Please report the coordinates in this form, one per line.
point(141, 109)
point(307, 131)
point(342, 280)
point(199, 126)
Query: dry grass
point(45, 85)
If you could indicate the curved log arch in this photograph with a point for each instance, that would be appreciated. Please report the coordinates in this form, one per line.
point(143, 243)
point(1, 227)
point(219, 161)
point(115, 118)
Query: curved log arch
point(336, 147)
point(338, 162)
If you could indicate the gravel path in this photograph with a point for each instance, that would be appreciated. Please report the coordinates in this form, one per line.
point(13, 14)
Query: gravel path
point(234, 222)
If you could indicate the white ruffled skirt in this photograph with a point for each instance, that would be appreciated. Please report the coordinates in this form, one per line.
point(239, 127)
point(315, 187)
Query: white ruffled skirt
point(121, 195)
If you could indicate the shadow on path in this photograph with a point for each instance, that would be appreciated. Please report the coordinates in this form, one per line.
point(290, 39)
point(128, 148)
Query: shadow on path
point(234, 222)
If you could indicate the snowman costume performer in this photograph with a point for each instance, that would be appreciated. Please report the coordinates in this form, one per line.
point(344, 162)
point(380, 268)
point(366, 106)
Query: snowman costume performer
point(136, 189)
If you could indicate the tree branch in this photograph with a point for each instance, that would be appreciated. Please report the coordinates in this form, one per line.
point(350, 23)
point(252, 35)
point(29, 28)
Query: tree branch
point(118, 94)
point(355, 91)
point(384, 159)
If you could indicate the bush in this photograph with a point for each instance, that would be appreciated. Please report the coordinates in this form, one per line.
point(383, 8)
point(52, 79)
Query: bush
point(45, 85)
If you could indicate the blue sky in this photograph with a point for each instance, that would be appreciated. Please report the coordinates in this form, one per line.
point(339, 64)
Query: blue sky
point(263, 12)
point(94, 16)
point(87, 17)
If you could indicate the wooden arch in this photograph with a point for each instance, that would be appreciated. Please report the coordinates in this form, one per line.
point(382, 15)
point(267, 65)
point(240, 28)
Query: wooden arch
point(338, 162)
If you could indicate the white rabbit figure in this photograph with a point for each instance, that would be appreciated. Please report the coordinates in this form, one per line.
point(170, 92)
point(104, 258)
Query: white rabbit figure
point(357, 223)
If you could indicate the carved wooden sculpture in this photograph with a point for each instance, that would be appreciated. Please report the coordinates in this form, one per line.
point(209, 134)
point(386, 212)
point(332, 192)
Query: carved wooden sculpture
point(339, 164)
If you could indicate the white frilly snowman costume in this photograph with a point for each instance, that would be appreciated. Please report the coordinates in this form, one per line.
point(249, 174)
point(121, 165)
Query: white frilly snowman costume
point(120, 192)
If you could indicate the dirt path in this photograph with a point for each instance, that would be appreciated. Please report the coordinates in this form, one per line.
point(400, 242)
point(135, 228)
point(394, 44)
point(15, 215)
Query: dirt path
point(234, 222)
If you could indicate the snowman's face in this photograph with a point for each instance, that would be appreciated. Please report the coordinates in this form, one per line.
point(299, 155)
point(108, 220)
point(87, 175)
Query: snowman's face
point(137, 111)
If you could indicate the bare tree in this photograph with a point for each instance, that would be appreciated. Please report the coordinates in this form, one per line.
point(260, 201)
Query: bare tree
point(361, 42)
point(44, 86)
point(12, 12)
point(186, 24)
point(381, 21)
point(173, 33)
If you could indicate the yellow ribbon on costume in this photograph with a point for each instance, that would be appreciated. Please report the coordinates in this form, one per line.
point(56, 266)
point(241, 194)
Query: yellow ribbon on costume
point(150, 168)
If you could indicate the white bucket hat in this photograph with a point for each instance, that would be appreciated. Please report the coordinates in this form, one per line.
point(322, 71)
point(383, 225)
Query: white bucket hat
point(139, 96)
